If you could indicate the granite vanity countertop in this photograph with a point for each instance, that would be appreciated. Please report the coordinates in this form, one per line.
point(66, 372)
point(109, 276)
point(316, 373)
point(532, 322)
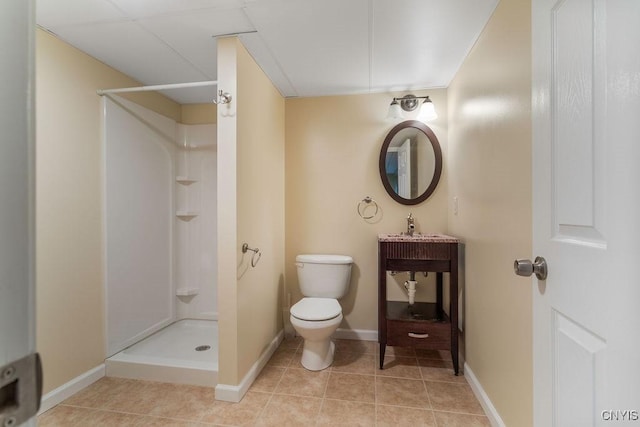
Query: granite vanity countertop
point(418, 237)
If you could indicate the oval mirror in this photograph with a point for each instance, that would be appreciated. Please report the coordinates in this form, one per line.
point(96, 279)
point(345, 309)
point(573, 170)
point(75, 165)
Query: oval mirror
point(410, 162)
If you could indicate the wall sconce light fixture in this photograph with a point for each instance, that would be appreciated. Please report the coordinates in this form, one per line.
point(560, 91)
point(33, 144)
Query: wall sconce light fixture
point(409, 103)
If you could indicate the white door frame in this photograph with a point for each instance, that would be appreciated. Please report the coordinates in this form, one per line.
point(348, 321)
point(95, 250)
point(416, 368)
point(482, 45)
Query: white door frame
point(17, 209)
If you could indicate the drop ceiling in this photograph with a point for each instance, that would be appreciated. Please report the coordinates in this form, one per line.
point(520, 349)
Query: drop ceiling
point(306, 47)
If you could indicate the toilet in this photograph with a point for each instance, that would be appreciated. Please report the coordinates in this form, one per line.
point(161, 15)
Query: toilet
point(322, 280)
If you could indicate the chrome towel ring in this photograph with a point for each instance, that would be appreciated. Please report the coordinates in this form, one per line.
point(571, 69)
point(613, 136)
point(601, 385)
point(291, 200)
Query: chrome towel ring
point(364, 204)
point(256, 251)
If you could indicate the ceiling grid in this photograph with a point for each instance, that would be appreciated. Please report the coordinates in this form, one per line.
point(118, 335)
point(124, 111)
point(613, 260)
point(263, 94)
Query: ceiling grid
point(306, 47)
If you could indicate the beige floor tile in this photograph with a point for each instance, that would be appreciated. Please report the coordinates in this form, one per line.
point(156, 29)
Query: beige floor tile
point(163, 398)
point(401, 392)
point(353, 387)
point(355, 363)
point(149, 421)
point(441, 374)
point(435, 363)
point(399, 351)
point(452, 397)
point(102, 418)
point(448, 419)
point(62, 415)
point(433, 354)
point(291, 342)
point(137, 397)
point(416, 390)
point(301, 382)
point(244, 412)
point(397, 366)
point(181, 401)
point(394, 416)
point(99, 394)
point(285, 410)
point(296, 362)
point(354, 346)
point(343, 413)
point(282, 357)
point(268, 379)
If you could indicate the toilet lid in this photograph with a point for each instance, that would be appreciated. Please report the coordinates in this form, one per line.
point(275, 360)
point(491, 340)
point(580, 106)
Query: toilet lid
point(316, 309)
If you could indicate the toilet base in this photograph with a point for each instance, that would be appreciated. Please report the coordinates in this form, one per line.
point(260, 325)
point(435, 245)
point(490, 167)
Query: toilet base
point(317, 355)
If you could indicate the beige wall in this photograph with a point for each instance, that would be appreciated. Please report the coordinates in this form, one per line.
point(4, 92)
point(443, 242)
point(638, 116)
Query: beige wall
point(198, 114)
point(69, 294)
point(490, 173)
point(332, 150)
point(250, 209)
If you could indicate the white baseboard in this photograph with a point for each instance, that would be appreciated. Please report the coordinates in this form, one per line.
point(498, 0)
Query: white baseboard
point(356, 334)
point(485, 402)
point(70, 388)
point(235, 393)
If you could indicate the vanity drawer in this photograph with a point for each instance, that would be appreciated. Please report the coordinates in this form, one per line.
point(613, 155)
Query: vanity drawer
point(439, 334)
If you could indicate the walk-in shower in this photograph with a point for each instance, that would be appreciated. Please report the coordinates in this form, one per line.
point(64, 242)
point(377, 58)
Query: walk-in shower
point(160, 246)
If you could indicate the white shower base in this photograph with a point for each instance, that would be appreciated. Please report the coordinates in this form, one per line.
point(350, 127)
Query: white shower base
point(169, 355)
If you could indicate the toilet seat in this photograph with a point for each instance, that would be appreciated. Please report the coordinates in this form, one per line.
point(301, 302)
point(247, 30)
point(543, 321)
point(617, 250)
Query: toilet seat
point(316, 309)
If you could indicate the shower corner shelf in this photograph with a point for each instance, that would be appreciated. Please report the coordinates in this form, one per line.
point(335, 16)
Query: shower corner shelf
point(186, 215)
point(185, 180)
point(186, 292)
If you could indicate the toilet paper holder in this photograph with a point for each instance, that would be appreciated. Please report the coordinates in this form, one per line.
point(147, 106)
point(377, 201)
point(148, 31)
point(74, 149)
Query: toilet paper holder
point(256, 252)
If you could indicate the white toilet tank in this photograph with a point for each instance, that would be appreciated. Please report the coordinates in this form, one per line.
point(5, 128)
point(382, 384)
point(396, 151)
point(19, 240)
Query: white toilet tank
point(324, 276)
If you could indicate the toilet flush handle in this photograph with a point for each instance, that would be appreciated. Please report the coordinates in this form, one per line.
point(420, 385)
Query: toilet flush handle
point(299, 265)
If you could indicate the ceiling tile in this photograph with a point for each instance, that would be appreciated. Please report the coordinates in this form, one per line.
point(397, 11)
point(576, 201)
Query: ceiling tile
point(132, 50)
point(322, 46)
point(146, 8)
point(257, 48)
point(422, 43)
point(191, 34)
point(69, 12)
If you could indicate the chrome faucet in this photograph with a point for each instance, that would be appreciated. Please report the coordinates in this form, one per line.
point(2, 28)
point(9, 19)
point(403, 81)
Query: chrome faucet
point(410, 225)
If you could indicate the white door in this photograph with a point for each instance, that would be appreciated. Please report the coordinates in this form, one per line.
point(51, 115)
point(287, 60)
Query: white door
point(18, 379)
point(586, 174)
point(404, 170)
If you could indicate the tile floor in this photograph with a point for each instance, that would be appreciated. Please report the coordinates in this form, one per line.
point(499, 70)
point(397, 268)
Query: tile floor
point(416, 388)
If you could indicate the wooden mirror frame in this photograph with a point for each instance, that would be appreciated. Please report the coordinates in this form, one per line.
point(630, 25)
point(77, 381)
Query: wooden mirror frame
point(438, 161)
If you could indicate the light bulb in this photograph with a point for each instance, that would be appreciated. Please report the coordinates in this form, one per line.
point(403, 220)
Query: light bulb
point(427, 111)
point(395, 112)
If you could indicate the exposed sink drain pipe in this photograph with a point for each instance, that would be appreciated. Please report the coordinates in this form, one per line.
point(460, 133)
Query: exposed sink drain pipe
point(410, 286)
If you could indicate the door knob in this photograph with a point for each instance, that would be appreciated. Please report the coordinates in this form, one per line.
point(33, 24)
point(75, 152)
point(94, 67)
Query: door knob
point(524, 267)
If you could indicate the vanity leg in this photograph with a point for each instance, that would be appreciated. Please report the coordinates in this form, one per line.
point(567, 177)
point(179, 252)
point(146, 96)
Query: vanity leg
point(454, 356)
point(383, 347)
point(453, 308)
point(454, 342)
point(439, 297)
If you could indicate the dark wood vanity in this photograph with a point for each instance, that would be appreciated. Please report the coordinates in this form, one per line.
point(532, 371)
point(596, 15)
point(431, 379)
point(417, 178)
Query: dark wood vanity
point(421, 325)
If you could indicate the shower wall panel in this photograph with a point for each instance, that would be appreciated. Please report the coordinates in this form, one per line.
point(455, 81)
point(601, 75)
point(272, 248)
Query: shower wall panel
point(139, 177)
point(196, 248)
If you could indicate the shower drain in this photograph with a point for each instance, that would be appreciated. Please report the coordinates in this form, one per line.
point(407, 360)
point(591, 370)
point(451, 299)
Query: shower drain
point(203, 347)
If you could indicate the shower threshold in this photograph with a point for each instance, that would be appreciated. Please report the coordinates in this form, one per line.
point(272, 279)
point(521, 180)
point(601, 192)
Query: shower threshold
point(185, 352)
